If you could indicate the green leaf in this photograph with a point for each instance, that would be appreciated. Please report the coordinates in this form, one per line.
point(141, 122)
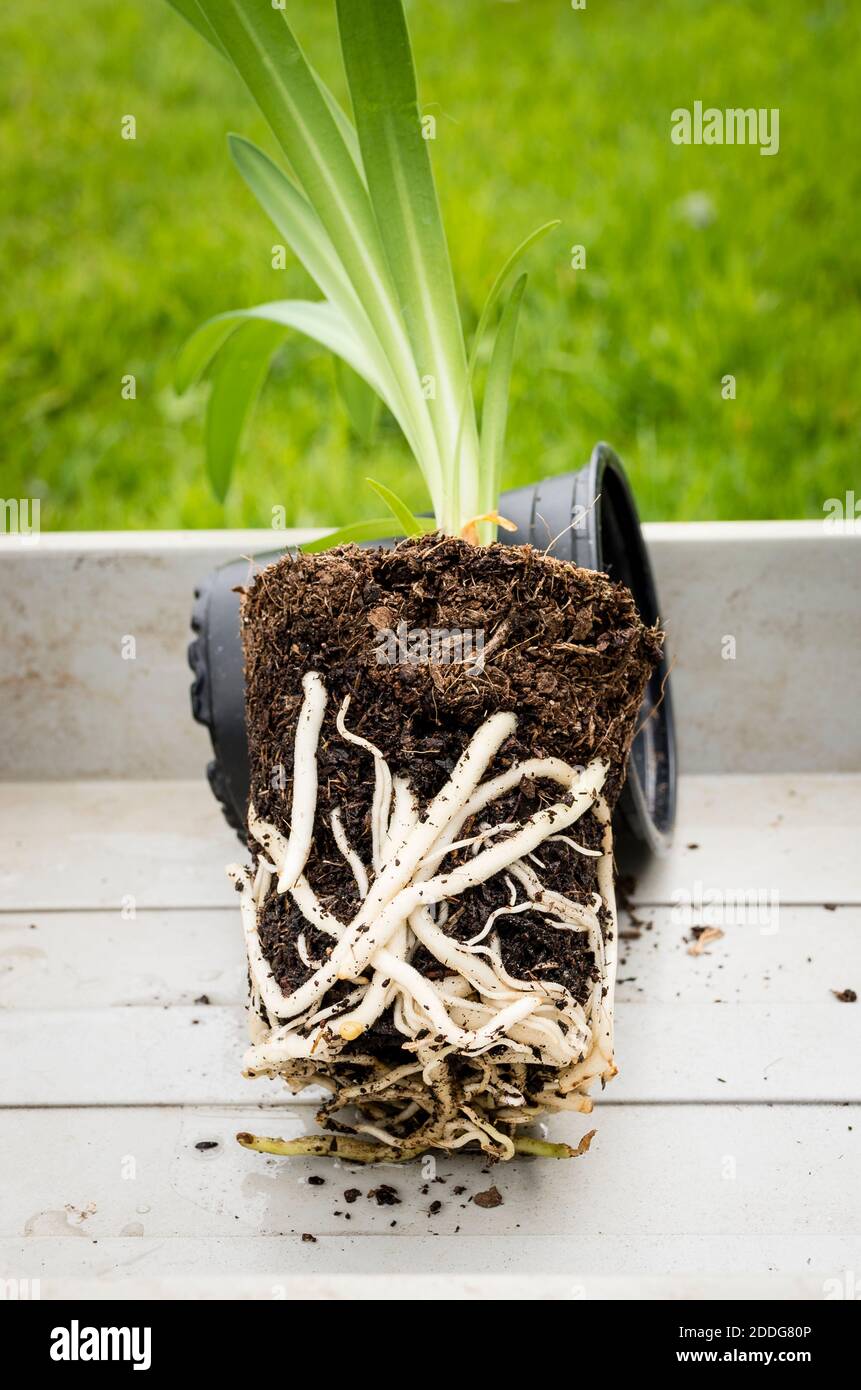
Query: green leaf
point(489, 501)
point(273, 66)
point(363, 404)
point(410, 525)
point(499, 284)
point(191, 13)
point(241, 343)
point(343, 122)
point(297, 222)
point(321, 322)
point(237, 378)
point(379, 66)
point(295, 219)
point(381, 528)
point(494, 415)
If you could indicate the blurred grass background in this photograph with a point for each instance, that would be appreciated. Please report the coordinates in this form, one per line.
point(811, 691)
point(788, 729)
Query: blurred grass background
point(701, 261)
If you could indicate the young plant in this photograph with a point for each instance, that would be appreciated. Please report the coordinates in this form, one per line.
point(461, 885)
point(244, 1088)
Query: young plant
point(433, 941)
point(358, 206)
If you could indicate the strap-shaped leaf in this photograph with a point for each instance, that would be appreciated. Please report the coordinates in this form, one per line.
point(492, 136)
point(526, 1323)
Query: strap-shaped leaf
point(411, 526)
point(240, 370)
point(381, 528)
point(242, 343)
point(381, 76)
point(499, 285)
point(193, 15)
point(494, 414)
point(343, 122)
point(264, 51)
point(321, 322)
point(298, 223)
point(463, 465)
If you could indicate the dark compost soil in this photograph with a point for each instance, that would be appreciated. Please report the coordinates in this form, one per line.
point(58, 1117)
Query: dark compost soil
point(565, 650)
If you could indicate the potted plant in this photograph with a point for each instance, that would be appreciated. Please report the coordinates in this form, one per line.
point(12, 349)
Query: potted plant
point(437, 732)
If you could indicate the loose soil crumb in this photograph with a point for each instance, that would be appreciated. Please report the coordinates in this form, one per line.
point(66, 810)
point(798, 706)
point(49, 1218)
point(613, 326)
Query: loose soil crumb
point(352, 1195)
point(308, 1238)
point(385, 1195)
point(846, 996)
point(316, 1181)
point(491, 1198)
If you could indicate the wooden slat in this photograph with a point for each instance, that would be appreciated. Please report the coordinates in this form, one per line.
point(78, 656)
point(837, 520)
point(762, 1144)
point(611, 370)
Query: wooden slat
point(60, 960)
point(144, 1056)
point(663, 1190)
point(94, 844)
point(80, 960)
point(754, 1019)
point(794, 836)
point(103, 844)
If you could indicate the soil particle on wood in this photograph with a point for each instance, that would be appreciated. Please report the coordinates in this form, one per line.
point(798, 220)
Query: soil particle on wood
point(846, 996)
point(491, 1198)
point(316, 1181)
point(351, 1195)
point(385, 1195)
point(564, 649)
point(308, 1238)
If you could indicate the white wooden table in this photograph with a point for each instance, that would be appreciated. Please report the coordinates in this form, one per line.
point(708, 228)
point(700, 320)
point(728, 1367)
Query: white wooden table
point(727, 1158)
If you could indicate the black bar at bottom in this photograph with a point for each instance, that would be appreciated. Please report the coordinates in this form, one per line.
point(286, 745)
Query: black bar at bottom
point(233, 1339)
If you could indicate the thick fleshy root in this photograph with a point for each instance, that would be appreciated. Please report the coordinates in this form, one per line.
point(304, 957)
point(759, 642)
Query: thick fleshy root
point(486, 1053)
point(357, 1151)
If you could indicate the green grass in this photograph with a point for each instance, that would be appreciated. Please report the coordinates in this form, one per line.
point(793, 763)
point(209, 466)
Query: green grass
point(702, 261)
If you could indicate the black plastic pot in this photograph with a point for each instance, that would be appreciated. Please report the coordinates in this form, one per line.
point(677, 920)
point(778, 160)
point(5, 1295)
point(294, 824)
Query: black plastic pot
point(587, 517)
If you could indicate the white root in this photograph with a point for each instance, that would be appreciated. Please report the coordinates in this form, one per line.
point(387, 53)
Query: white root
point(360, 873)
point(479, 1012)
point(499, 912)
point(302, 948)
point(292, 854)
point(382, 787)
